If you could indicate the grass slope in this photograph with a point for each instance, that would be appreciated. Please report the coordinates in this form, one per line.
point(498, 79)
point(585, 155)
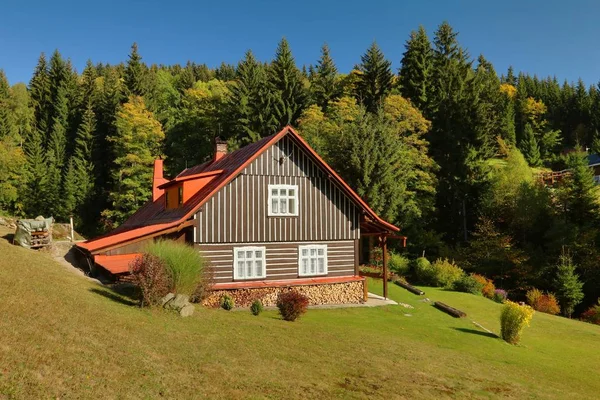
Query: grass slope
point(64, 336)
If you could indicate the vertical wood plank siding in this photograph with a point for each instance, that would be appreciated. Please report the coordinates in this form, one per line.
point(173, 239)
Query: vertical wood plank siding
point(238, 212)
point(281, 258)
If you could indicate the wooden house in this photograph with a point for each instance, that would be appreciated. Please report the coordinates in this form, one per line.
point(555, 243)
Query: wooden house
point(266, 217)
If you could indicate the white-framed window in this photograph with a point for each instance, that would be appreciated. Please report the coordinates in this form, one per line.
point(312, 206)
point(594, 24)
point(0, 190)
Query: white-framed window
point(283, 200)
point(312, 260)
point(249, 263)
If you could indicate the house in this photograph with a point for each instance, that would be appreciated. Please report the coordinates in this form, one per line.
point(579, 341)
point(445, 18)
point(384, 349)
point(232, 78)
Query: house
point(268, 216)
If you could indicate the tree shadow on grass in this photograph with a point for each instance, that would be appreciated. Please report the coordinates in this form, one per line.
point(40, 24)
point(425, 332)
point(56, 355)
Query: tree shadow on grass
point(109, 294)
point(476, 332)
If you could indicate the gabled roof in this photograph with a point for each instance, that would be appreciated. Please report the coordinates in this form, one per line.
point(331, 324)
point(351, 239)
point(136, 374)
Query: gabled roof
point(154, 219)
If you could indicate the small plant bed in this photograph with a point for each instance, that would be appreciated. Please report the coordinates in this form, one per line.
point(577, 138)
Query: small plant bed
point(456, 313)
point(409, 287)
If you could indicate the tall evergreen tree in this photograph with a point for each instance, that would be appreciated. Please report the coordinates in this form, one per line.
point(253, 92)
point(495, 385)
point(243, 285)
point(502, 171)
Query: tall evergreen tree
point(417, 64)
point(376, 78)
point(324, 81)
point(287, 85)
point(530, 147)
point(135, 73)
point(251, 101)
point(41, 100)
point(568, 287)
point(137, 143)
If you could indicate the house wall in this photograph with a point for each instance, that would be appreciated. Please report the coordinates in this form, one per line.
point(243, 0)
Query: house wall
point(281, 258)
point(238, 212)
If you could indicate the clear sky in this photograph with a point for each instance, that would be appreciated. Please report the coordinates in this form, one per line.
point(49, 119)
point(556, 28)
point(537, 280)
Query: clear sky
point(543, 37)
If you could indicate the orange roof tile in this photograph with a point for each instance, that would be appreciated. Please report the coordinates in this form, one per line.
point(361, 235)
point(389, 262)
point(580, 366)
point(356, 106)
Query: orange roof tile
point(116, 265)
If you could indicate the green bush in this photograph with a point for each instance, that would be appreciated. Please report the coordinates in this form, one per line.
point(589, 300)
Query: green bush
point(227, 302)
point(398, 264)
point(469, 284)
point(185, 264)
point(513, 319)
point(445, 273)
point(424, 271)
point(256, 307)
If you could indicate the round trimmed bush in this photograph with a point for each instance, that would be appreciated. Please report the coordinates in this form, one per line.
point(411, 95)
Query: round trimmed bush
point(256, 307)
point(291, 305)
point(424, 271)
point(227, 302)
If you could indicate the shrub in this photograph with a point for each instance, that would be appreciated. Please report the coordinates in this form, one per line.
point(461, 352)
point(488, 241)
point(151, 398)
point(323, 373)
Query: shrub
point(445, 273)
point(500, 295)
point(487, 285)
point(227, 302)
point(291, 305)
point(398, 264)
point(592, 314)
point(376, 257)
point(150, 274)
point(256, 307)
point(424, 270)
point(468, 284)
point(184, 262)
point(204, 286)
point(545, 303)
point(513, 319)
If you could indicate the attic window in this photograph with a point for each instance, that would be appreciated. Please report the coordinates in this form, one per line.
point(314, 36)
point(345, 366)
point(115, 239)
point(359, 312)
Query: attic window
point(283, 200)
point(180, 196)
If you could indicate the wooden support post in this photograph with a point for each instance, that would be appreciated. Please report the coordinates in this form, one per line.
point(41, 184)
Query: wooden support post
point(383, 239)
point(72, 230)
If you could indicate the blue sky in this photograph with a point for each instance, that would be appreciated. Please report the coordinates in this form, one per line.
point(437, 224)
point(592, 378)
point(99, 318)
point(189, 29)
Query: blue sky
point(540, 37)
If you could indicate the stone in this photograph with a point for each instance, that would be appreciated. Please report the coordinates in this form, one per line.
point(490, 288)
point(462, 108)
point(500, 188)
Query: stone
point(3, 221)
point(180, 301)
point(166, 299)
point(187, 310)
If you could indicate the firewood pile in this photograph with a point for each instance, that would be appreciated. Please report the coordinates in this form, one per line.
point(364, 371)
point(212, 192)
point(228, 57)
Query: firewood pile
point(335, 293)
point(34, 233)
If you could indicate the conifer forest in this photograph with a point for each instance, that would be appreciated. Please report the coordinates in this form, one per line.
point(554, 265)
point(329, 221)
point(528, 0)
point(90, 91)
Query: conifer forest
point(445, 147)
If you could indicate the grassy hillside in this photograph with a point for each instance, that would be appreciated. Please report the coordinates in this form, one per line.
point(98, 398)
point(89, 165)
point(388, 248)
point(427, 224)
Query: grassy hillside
point(64, 336)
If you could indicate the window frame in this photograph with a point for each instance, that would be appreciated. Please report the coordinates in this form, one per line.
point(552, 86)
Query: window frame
point(310, 247)
point(180, 196)
point(253, 249)
point(279, 187)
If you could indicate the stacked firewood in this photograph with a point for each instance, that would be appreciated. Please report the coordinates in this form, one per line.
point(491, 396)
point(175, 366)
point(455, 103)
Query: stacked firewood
point(336, 293)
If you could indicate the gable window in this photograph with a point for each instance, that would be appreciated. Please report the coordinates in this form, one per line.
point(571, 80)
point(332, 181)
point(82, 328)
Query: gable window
point(283, 200)
point(249, 263)
point(312, 260)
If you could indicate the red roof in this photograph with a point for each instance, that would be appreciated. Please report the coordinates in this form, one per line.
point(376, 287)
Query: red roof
point(116, 264)
point(153, 217)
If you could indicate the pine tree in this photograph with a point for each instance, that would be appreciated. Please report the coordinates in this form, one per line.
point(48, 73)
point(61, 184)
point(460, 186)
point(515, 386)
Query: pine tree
point(287, 85)
point(251, 101)
point(137, 143)
point(568, 287)
point(417, 64)
point(70, 191)
point(83, 158)
point(376, 78)
point(579, 193)
point(530, 148)
point(135, 73)
point(323, 78)
point(41, 99)
point(225, 72)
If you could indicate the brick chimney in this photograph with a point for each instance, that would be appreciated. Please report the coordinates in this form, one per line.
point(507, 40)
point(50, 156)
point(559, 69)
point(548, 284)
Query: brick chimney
point(220, 149)
point(157, 180)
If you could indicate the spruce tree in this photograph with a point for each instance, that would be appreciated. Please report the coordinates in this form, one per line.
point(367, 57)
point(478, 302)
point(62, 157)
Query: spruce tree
point(376, 78)
point(287, 85)
point(135, 73)
point(251, 101)
point(579, 193)
point(41, 99)
point(83, 158)
point(70, 192)
point(324, 82)
point(417, 64)
point(569, 290)
point(137, 142)
point(530, 147)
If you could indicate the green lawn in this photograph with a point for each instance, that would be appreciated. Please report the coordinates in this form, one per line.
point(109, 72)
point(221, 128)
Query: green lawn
point(62, 336)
